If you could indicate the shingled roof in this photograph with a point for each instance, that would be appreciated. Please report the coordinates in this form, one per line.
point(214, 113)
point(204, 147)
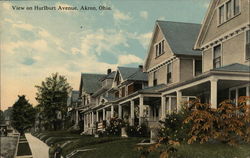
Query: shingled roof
point(235, 67)
point(91, 82)
point(133, 73)
point(180, 36)
point(109, 76)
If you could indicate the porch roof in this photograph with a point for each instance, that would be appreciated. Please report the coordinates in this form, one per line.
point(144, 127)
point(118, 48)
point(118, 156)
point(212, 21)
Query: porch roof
point(214, 72)
point(235, 67)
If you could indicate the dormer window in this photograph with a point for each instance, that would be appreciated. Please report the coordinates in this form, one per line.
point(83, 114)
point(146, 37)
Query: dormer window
point(228, 10)
point(159, 48)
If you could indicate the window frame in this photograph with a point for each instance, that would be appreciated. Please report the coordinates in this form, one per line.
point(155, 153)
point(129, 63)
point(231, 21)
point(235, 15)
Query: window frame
point(220, 57)
point(225, 12)
point(159, 48)
point(247, 33)
point(170, 65)
point(155, 81)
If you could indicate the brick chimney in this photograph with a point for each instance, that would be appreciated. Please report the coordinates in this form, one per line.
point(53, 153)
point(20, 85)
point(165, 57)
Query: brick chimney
point(109, 71)
point(140, 67)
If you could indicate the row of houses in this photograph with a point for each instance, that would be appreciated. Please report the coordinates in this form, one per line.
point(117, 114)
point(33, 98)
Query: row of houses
point(184, 61)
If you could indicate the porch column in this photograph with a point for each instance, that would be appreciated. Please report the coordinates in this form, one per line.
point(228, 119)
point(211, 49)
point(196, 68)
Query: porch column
point(163, 107)
point(213, 93)
point(103, 114)
point(97, 116)
point(92, 114)
point(112, 111)
point(120, 111)
point(76, 117)
point(179, 100)
point(169, 105)
point(132, 112)
point(141, 110)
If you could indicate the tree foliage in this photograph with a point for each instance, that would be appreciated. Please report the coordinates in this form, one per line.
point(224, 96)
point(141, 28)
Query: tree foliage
point(23, 115)
point(52, 98)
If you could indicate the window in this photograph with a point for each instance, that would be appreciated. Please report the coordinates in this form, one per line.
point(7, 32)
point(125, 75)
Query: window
point(123, 92)
point(229, 9)
point(217, 56)
point(236, 7)
point(159, 48)
point(248, 45)
point(154, 78)
point(198, 67)
point(221, 16)
point(169, 73)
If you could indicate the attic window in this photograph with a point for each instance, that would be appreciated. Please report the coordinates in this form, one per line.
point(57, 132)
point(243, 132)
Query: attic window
point(159, 48)
point(228, 10)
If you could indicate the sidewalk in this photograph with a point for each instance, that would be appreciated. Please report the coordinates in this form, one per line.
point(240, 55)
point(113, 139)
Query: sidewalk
point(38, 148)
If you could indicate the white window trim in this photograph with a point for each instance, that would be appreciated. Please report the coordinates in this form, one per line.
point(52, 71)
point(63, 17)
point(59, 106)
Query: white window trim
point(156, 56)
point(221, 62)
point(225, 12)
point(237, 92)
point(245, 43)
point(171, 73)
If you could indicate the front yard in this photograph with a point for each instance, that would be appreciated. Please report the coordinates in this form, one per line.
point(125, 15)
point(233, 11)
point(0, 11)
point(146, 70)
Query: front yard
point(117, 147)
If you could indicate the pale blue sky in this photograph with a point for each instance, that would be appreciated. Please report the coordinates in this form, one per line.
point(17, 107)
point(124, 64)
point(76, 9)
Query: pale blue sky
point(38, 43)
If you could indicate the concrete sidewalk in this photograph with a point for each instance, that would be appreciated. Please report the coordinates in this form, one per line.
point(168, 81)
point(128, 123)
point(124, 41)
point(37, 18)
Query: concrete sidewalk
point(38, 148)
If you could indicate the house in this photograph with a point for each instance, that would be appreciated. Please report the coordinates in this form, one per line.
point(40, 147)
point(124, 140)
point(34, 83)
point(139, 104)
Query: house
point(224, 42)
point(89, 84)
point(72, 104)
point(172, 60)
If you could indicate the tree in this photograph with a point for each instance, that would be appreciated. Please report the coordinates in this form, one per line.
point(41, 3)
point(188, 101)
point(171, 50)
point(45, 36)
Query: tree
point(1, 117)
point(52, 98)
point(23, 115)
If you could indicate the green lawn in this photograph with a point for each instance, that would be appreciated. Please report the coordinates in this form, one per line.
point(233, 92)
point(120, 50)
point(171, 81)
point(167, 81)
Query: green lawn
point(23, 149)
point(117, 147)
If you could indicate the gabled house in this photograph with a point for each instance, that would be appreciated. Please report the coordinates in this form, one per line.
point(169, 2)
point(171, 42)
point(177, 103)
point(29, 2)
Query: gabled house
point(72, 104)
point(89, 84)
point(171, 59)
point(224, 42)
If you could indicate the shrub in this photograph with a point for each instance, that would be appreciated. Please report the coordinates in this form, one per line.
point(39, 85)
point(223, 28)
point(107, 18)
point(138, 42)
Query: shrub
point(227, 124)
point(114, 127)
point(137, 131)
point(173, 127)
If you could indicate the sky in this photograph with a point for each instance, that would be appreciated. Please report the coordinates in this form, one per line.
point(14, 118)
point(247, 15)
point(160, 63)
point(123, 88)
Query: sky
point(36, 43)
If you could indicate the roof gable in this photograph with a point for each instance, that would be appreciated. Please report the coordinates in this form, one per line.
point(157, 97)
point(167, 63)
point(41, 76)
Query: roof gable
point(181, 36)
point(205, 23)
point(90, 82)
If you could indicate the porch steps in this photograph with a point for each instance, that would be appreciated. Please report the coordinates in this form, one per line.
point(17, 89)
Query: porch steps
point(76, 151)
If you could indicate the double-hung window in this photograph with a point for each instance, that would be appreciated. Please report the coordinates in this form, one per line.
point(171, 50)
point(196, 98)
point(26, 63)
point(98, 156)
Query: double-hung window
point(217, 56)
point(221, 15)
point(154, 78)
point(228, 10)
point(159, 48)
point(169, 73)
point(248, 45)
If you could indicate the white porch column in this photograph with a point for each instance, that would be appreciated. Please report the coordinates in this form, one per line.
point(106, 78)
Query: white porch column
point(119, 111)
point(141, 107)
point(92, 114)
point(132, 112)
point(97, 116)
point(103, 114)
point(213, 93)
point(77, 119)
point(163, 107)
point(169, 105)
point(178, 100)
point(112, 111)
